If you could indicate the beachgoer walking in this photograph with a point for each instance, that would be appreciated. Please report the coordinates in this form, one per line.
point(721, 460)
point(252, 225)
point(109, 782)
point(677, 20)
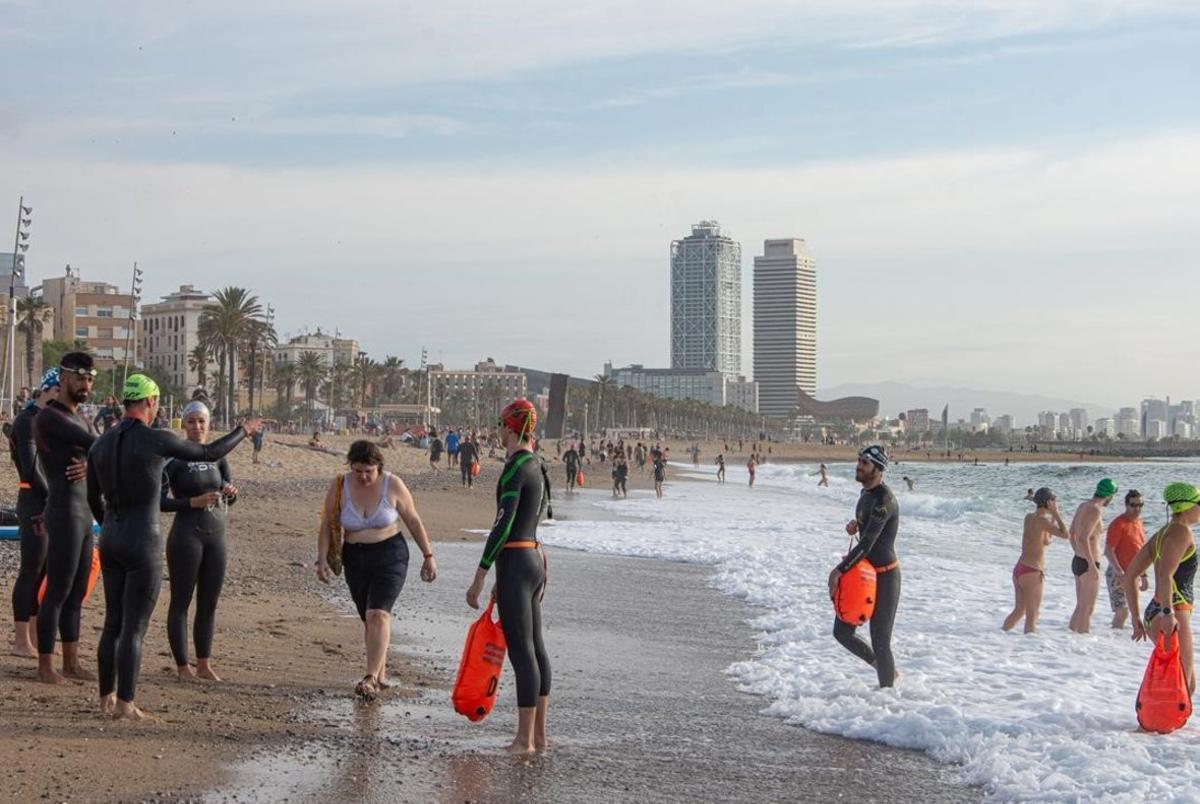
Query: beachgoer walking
point(435, 450)
point(620, 476)
point(876, 520)
point(721, 468)
point(1028, 574)
point(1087, 526)
point(1126, 535)
point(363, 511)
point(124, 491)
point(63, 438)
point(660, 474)
point(452, 448)
point(522, 496)
point(468, 458)
point(751, 467)
point(1172, 553)
point(257, 440)
point(198, 493)
point(824, 480)
point(571, 463)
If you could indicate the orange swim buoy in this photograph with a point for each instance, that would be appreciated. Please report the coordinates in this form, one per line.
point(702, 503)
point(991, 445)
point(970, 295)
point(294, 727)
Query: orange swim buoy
point(1163, 702)
point(854, 600)
point(474, 692)
point(579, 478)
point(93, 574)
point(475, 469)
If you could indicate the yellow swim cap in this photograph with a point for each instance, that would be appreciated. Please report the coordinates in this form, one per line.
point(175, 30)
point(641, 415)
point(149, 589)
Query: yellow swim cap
point(138, 387)
point(1180, 497)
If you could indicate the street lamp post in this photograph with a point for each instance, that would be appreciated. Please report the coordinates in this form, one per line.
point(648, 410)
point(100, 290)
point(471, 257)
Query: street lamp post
point(135, 293)
point(24, 220)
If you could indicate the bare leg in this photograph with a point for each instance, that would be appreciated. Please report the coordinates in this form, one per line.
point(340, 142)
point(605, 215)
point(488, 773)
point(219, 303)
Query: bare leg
point(378, 635)
point(24, 634)
point(523, 742)
point(1076, 617)
point(1118, 620)
point(1187, 648)
point(540, 741)
point(1087, 602)
point(46, 672)
point(1018, 611)
point(1032, 586)
point(71, 666)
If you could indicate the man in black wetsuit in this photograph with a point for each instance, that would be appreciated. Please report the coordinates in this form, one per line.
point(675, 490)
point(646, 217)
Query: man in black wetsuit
point(124, 490)
point(468, 454)
point(876, 520)
point(63, 438)
point(571, 462)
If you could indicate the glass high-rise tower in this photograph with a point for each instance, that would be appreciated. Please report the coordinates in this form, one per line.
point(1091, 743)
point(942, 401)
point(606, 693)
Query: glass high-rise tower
point(706, 301)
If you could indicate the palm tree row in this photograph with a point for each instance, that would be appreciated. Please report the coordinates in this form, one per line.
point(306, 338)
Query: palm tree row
point(232, 329)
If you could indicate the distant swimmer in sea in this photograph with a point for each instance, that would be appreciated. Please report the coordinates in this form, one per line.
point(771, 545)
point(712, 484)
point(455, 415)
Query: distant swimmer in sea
point(909, 482)
point(1172, 553)
point(1087, 526)
point(1126, 535)
point(363, 510)
point(824, 481)
point(1040, 529)
point(751, 466)
point(876, 521)
point(1029, 496)
point(522, 496)
point(720, 468)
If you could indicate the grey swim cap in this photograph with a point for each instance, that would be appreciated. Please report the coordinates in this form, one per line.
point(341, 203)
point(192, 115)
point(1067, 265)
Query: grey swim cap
point(1043, 496)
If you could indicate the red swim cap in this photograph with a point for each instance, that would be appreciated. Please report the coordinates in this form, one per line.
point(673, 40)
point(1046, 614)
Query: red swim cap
point(520, 416)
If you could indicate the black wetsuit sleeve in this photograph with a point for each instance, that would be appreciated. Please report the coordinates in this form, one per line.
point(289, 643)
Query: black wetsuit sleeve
point(94, 496)
point(226, 479)
point(169, 503)
point(880, 512)
point(171, 446)
point(25, 453)
point(512, 484)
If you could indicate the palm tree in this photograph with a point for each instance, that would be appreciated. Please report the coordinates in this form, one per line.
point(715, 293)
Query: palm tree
point(393, 377)
point(310, 371)
point(367, 373)
point(32, 316)
point(604, 384)
point(198, 360)
point(260, 337)
point(285, 382)
point(227, 324)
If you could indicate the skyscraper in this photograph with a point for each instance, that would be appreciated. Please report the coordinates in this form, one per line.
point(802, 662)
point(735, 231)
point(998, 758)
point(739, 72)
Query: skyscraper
point(785, 325)
point(706, 301)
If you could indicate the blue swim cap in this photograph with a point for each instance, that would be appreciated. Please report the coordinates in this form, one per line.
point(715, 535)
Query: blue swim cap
point(50, 379)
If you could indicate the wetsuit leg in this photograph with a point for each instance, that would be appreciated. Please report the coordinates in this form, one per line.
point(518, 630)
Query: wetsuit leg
point(887, 594)
point(184, 553)
point(465, 469)
point(68, 562)
point(31, 572)
point(142, 567)
point(846, 634)
point(209, 581)
point(113, 574)
point(519, 578)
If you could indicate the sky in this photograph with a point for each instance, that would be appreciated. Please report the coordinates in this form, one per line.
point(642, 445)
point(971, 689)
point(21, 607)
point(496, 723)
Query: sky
point(998, 195)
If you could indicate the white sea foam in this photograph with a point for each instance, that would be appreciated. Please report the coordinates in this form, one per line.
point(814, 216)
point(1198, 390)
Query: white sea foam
point(1042, 717)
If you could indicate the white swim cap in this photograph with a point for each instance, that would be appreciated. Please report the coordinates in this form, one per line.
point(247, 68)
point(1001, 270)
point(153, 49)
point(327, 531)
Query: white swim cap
point(195, 406)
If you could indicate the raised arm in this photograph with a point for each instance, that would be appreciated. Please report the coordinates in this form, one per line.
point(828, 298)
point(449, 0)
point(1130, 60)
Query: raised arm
point(172, 446)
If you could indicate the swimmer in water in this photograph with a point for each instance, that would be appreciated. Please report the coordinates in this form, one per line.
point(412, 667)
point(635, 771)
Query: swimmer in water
point(909, 482)
point(824, 481)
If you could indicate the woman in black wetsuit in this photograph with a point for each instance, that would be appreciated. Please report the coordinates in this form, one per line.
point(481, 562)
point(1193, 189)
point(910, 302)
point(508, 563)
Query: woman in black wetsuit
point(522, 495)
point(199, 493)
point(124, 490)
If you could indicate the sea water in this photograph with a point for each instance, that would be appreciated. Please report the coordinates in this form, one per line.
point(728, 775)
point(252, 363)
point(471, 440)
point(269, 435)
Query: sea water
point(1045, 716)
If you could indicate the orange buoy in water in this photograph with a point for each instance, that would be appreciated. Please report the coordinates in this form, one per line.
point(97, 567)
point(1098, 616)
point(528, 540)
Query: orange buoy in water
point(93, 574)
point(579, 478)
point(1163, 702)
point(474, 468)
point(474, 692)
point(854, 600)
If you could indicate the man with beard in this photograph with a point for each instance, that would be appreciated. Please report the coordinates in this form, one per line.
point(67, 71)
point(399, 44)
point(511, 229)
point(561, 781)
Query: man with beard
point(63, 438)
point(876, 520)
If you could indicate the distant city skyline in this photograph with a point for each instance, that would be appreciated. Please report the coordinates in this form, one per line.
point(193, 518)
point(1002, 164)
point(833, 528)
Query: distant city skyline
point(1005, 192)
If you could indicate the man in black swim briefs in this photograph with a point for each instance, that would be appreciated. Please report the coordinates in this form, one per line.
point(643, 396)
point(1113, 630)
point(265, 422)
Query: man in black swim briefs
point(876, 520)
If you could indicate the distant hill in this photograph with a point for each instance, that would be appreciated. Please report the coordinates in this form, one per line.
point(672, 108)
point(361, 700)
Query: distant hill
point(895, 397)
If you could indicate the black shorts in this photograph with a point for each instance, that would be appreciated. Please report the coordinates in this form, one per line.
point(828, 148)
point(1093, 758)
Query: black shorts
point(375, 573)
point(1079, 566)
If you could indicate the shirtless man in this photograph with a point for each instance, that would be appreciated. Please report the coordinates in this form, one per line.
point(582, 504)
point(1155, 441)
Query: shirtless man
point(1087, 529)
point(1040, 529)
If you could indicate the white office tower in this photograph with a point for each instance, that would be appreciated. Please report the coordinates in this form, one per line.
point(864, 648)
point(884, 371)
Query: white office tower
point(785, 325)
point(706, 301)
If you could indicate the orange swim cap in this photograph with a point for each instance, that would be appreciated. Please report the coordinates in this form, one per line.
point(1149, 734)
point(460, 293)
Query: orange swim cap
point(520, 416)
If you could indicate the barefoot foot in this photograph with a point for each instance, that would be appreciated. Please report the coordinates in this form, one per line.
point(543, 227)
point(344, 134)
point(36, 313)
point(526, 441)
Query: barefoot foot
point(127, 710)
point(78, 673)
point(205, 671)
point(185, 672)
point(50, 676)
point(108, 703)
point(24, 650)
point(519, 748)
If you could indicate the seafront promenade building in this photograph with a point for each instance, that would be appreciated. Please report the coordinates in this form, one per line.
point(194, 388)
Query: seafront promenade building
point(96, 313)
point(487, 383)
point(706, 301)
point(332, 349)
point(168, 334)
point(700, 385)
point(785, 325)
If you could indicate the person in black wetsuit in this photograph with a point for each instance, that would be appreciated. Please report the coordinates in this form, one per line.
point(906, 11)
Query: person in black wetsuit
point(876, 520)
point(199, 493)
point(63, 438)
point(468, 455)
point(522, 495)
point(31, 502)
point(571, 462)
point(124, 490)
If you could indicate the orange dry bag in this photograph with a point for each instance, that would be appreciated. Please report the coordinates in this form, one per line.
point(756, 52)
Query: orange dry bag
point(854, 600)
point(579, 478)
point(474, 468)
point(93, 574)
point(475, 688)
point(1163, 702)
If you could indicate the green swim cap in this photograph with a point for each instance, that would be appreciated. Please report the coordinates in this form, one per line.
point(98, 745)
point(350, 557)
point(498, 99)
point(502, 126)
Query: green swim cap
point(138, 387)
point(1106, 488)
point(1179, 497)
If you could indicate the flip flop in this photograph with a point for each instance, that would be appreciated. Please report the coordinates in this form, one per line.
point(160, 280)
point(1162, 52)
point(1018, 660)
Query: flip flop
point(366, 688)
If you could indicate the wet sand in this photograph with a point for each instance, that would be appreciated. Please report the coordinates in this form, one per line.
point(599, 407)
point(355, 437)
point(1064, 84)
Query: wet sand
point(642, 710)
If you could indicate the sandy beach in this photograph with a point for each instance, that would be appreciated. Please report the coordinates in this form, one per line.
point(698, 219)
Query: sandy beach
point(644, 710)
